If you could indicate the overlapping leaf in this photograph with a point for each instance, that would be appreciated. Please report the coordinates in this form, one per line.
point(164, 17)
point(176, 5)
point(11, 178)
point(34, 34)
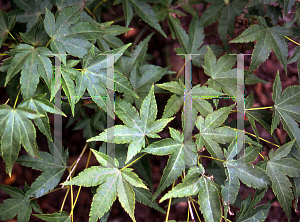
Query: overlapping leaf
point(16, 129)
point(208, 193)
point(222, 76)
point(143, 10)
point(225, 13)
point(94, 77)
point(267, 38)
point(30, 11)
point(286, 107)
point(19, 204)
point(113, 183)
point(136, 127)
point(182, 154)
point(42, 106)
point(53, 166)
point(33, 63)
point(278, 168)
point(199, 95)
point(6, 25)
point(61, 216)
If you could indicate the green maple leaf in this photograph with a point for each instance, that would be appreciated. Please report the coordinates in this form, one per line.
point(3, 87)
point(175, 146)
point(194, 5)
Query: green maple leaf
point(199, 94)
point(19, 204)
point(194, 183)
point(267, 38)
point(278, 168)
point(182, 154)
point(241, 169)
point(222, 76)
point(93, 77)
point(225, 13)
point(286, 107)
point(16, 129)
point(192, 43)
point(42, 106)
point(143, 10)
point(136, 127)
point(113, 183)
point(67, 38)
point(33, 63)
point(61, 216)
point(52, 165)
point(249, 213)
point(6, 26)
point(30, 12)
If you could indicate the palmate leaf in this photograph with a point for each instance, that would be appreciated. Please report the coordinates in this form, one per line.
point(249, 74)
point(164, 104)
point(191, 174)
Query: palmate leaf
point(30, 11)
point(222, 76)
point(16, 129)
point(61, 216)
point(53, 170)
point(93, 77)
point(192, 43)
point(267, 38)
point(225, 13)
point(6, 25)
point(286, 107)
point(278, 168)
point(199, 95)
point(33, 63)
point(136, 127)
point(143, 10)
point(208, 193)
point(113, 183)
point(41, 105)
point(19, 205)
point(59, 29)
point(182, 154)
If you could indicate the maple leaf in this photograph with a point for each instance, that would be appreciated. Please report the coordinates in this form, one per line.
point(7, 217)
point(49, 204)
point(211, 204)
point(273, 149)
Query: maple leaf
point(93, 77)
point(267, 38)
point(208, 192)
point(136, 127)
point(17, 129)
point(19, 204)
point(286, 107)
point(222, 76)
point(6, 25)
point(30, 11)
point(182, 154)
point(192, 43)
point(225, 13)
point(143, 10)
point(33, 63)
point(113, 183)
point(278, 168)
point(61, 216)
point(199, 93)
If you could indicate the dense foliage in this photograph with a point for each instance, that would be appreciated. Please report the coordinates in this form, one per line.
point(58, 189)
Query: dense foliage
point(34, 33)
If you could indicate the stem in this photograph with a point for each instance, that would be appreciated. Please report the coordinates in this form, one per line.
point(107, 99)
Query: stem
point(6, 101)
point(192, 201)
point(12, 36)
point(133, 161)
point(257, 108)
point(74, 165)
point(98, 5)
point(211, 158)
point(87, 163)
point(253, 136)
point(48, 43)
point(17, 98)
point(63, 204)
point(191, 211)
point(292, 40)
point(72, 203)
point(169, 205)
point(227, 219)
point(180, 71)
